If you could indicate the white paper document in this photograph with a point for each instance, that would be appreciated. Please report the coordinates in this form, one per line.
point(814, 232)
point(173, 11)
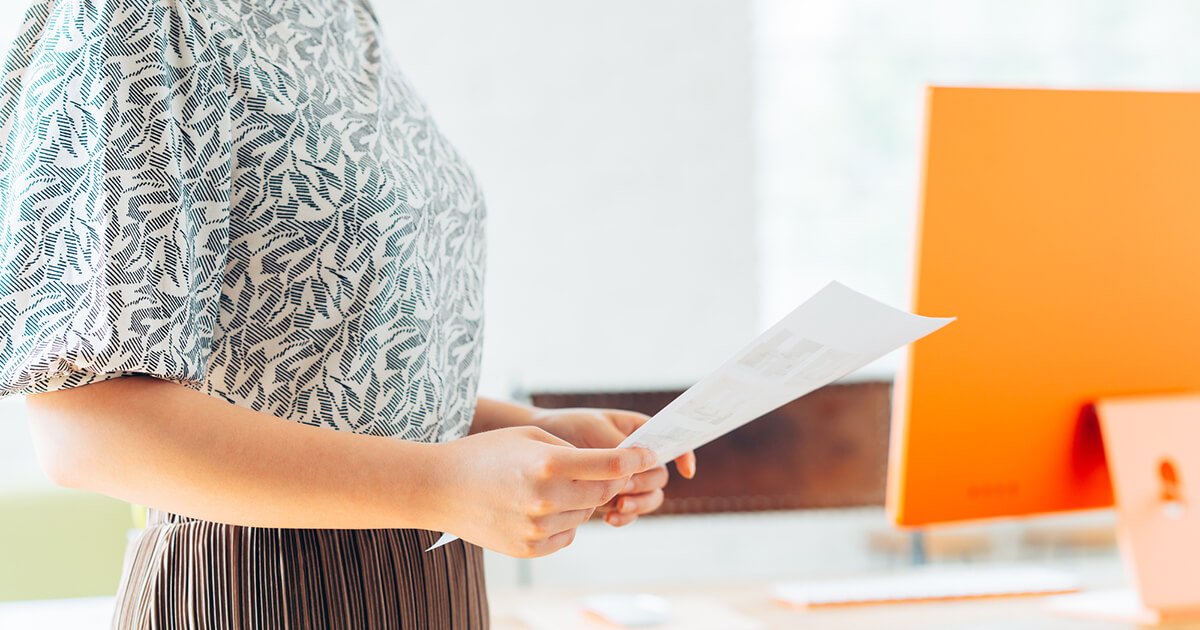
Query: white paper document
point(445, 539)
point(834, 333)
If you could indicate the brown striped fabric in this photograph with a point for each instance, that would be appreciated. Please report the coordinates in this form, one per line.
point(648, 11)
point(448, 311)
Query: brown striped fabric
point(184, 573)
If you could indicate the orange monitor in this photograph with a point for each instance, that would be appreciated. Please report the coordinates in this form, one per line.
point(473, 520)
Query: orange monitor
point(1062, 228)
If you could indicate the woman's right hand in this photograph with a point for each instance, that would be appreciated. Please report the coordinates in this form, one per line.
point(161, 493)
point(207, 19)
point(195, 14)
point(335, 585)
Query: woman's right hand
point(522, 492)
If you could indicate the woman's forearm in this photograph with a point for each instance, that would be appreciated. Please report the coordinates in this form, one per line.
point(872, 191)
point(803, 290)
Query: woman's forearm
point(496, 414)
point(160, 444)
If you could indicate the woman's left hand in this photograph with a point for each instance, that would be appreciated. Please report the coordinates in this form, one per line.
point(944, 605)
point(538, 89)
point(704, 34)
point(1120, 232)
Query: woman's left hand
point(606, 428)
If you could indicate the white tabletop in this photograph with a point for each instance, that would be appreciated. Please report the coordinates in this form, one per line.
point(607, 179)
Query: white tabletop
point(84, 613)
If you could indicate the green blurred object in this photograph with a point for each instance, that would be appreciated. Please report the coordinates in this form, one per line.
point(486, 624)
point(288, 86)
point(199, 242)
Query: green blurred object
point(61, 543)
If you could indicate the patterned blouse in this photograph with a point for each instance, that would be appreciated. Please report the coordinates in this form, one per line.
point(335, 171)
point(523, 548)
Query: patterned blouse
point(244, 197)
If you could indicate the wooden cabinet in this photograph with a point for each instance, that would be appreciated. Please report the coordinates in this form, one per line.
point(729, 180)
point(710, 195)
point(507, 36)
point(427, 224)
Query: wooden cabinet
point(827, 449)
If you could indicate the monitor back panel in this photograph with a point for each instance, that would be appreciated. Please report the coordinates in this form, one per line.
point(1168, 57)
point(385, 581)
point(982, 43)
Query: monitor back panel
point(1062, 228)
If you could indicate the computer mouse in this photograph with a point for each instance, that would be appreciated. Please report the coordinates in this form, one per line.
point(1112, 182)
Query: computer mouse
point(631, 610)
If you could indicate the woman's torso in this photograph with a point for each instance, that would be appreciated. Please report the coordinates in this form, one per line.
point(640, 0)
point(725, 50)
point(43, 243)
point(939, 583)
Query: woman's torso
point(354, 273)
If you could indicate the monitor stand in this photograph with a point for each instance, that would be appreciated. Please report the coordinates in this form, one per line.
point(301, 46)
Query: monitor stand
point(1152, 444)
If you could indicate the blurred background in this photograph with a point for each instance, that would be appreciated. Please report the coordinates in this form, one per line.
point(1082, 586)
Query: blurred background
point(666, 178)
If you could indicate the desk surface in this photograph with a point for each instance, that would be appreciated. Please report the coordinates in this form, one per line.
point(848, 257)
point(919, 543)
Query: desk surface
point(750, 599)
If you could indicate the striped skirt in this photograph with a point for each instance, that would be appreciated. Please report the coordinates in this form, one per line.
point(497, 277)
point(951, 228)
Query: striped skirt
point(183, 573)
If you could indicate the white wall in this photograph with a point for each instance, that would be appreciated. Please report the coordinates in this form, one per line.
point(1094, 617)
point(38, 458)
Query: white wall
point(19, 469)
point(613, 141)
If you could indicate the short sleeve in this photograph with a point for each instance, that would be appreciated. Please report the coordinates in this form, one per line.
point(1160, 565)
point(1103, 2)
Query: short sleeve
point(114, 194)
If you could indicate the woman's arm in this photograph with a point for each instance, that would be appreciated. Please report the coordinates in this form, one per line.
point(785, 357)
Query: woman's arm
point(157, 443)
point(498, 414)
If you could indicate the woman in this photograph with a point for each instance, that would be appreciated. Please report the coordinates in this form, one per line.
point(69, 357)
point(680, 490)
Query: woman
point(240, 261)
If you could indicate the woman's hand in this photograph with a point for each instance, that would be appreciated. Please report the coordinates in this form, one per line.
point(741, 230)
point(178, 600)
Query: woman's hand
point(522, 491)
point(606, 428)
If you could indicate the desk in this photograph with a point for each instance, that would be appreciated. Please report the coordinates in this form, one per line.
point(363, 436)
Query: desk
point(750, 599)
point(1021, 613)
point(84, 613)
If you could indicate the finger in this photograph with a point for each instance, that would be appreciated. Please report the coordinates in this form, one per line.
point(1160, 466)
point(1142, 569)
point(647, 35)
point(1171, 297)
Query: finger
point(652, 479)
point(541, 435)
point(616, 519)
point(544, 527)
point(551, 544)
point(607, 463)
point(604, 435)
point(585, 494)
point(626, 421)
point(610, 505)
point(640, 503)
point(686, 464)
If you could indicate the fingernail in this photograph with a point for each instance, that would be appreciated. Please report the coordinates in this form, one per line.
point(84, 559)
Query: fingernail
point(650, 459)
point(629, 487)
point(628, 505)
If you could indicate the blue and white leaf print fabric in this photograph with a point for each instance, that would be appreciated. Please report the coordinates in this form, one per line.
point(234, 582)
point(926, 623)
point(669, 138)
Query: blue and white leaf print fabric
point(241, 196)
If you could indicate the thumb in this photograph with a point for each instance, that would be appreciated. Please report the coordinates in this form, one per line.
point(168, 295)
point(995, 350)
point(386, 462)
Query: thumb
point(541, 435)
point(626, 421)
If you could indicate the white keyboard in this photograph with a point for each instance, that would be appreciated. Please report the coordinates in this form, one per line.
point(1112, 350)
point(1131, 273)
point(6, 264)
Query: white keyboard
point(924, 584)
